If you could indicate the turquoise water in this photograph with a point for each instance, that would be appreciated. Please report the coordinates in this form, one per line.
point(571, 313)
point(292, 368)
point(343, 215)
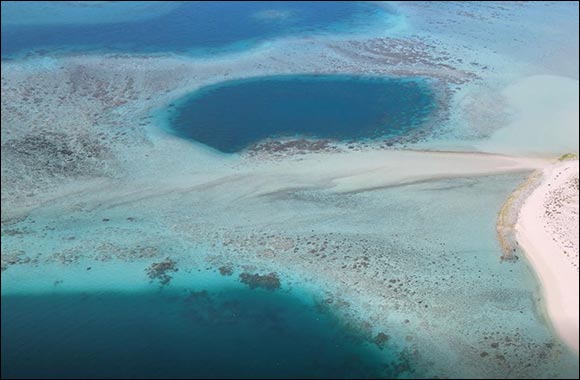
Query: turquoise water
point(178, 334)
point(232, 115)
point(191, 27)
point(438, 289)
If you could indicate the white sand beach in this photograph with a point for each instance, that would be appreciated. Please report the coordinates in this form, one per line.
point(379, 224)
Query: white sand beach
point(547, 229)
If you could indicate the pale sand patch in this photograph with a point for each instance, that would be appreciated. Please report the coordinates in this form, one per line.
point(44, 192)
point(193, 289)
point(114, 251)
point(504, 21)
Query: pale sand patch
point(342, 172)
point(547, 229)
point(363, 171)
point(346, 172)
point(545, 118)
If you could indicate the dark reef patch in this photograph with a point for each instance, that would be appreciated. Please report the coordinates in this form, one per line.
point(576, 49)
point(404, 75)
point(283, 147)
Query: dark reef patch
point(381, 340)
point(269, 281)
point(160, 271)
point(226, 270)
point(56, 154)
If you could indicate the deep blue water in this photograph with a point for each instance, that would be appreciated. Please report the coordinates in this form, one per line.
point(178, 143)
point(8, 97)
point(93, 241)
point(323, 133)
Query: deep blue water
point(231, 115)
point(193, 27)
point(169, 334)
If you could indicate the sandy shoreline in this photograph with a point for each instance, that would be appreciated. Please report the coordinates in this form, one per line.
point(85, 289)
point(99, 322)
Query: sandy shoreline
point(547, 229)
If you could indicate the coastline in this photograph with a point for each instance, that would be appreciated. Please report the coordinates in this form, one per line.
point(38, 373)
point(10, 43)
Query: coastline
point(508, 215)
point(546, 250)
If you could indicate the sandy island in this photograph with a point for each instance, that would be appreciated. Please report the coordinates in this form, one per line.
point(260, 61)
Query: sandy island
point(547, 229)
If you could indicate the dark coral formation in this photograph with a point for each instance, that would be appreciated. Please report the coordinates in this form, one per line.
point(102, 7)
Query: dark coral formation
point(406, 57)
point(57, 154)
point(14, 257)
point(298, 146)
point(226, 270)
point(203, 307)
point(515, 350)
point(381, 340)
point(109, 251)
point(268, 281)
point(12, 232)
point(160, 271)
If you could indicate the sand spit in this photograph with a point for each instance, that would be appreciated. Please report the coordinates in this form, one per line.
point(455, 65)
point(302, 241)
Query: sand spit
point(547, 229)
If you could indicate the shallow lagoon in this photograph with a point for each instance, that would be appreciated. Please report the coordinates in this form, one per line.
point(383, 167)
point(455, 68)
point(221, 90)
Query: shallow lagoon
point(232, 115)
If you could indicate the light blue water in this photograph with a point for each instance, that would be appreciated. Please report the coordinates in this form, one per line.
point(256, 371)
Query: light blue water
point(231, 115)
point(194, 27)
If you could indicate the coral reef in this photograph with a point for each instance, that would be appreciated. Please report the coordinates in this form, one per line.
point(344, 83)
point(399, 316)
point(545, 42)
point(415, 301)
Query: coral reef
point(268, 281)
point(160, 271)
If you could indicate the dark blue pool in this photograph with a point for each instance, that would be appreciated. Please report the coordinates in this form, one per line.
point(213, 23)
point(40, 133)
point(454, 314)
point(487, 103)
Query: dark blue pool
point(232, 115)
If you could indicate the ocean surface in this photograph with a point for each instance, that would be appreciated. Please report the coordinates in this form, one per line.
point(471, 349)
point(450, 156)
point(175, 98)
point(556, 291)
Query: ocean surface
point(232, 115)
point(182, 27)
point(178, 333)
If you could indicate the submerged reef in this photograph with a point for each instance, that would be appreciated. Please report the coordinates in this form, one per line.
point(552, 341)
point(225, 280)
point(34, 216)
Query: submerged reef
point(14, 258)
point(408, 57)
point(160, 271)
point(269, 281)
point(226, 270)
point(290, 147)
point(381, 340)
